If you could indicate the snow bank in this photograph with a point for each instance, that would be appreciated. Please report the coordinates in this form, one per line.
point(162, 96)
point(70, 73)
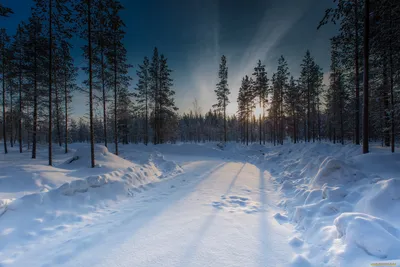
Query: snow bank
point(373, 235)
point(104, 159)
point(167, 168)
point(345, 206)
point(333, 171)
point(382, 200)
point(38, 214)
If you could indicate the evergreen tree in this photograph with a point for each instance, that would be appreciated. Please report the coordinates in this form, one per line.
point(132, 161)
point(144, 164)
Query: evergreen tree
point(222, 92)
point(142, 95)
point(292, 106)
point(118, 60)
point(4, 39)
point(167, 108)
point(281, 80)
point(85, 9)
point(246, 104)
point(154, 93)
point(260, 88)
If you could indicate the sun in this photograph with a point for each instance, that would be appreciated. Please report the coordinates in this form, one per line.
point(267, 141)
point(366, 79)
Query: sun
point(258, 111)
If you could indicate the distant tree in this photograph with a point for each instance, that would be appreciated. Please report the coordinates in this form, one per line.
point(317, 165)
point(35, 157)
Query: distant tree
point(18, 48)
point(118, 60)
point(246, 104)
point(281, 81)
point(291, 100)
point(310, 82)
point(142, 95)
point(154, 72)
point(4, 39)
point(167, 108)
point(85, 9)
point(222, 92)
point(261, 88)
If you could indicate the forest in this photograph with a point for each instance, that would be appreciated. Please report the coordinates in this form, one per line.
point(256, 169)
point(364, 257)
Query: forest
point(39, 77)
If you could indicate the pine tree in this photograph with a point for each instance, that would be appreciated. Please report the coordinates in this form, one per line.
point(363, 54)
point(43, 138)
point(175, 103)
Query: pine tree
point(4, 39)
point(291, 99)
point(35, 68)
point(69, 73)
point(118, 60)
point(58, 15)
point(366, 79)
point(222, 92)
point(261, 88)
point(18, 48)
point(85, 9)
point(142, 95)
point(167, 108)
point(281, 80)
point(154, 89)
point(246, 104)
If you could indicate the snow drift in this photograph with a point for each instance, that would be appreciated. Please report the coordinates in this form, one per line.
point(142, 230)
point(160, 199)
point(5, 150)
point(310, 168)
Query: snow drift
point(114, 178)
point(345, 206)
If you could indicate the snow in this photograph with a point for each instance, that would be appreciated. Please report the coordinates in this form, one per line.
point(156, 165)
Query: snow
point(201, 205)
point(345, 206)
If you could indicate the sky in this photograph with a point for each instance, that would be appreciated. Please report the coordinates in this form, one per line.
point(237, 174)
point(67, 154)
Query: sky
point(194, 34)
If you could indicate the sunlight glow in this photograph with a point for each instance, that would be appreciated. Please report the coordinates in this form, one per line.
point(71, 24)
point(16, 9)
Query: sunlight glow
point(258, 111)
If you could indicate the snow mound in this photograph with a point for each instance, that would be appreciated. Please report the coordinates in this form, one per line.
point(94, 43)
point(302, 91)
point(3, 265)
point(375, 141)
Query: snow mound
point(333, 172)
point(382, 200)
point(345, 206)
point(373, 235)
point(300, 261)
point(386, 165)
point(167, 168)
point(103, 158)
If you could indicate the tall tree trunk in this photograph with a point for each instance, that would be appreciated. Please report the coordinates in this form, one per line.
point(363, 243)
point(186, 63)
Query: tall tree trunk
point(386, 110)
point(308, 107)
point(156, 108)
point(104, 94)
point(259, 122)
point(341, 114)
point(357, 80)
point(4, 96)
point(35, 98)
point(247, 128)
point(146, 129)
point(50, 82)
point(66, 108)
point(115, 96)
point(224, 121)
point(90, 84)
point(319, 121)
point(58, 120)
point(11, 118)
point(294, 127)
point(392, 140)
point(20, 94)
point(366, 79)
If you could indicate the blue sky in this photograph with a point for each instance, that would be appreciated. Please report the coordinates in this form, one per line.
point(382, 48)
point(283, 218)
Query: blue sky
point(194, 34)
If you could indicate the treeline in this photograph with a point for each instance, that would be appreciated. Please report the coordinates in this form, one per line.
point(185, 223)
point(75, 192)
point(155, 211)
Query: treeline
point(39, 76)
point(364, 80)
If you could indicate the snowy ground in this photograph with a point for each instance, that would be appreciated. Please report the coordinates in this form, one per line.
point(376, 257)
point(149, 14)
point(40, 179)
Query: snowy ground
point(197, 205)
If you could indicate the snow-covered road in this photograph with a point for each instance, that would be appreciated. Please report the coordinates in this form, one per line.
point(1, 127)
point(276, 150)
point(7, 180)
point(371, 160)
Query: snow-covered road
point(217, 213)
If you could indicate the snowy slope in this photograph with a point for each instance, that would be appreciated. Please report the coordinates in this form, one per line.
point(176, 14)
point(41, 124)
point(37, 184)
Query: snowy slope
point(203, 205)
point(210, 212)
point(84, 194)
point(345, 205)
